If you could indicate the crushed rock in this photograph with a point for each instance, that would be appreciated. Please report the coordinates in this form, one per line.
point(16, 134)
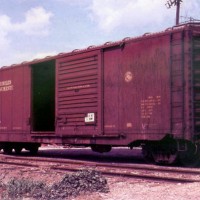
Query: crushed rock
point(82, 182)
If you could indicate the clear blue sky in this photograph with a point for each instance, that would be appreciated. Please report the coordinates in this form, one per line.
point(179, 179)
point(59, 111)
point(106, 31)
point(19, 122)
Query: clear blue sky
point(37, 28)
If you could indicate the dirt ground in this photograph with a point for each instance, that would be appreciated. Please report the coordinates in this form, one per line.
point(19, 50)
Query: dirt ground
point(128, 190)
point(120, 188)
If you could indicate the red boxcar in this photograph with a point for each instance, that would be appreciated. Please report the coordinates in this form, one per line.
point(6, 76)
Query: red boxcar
point(142, 91)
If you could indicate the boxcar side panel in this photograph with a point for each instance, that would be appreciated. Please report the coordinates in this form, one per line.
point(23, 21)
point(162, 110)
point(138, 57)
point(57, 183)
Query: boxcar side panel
point(6, 90)
point(137, 89)
point(112, 66)
point(15, 104)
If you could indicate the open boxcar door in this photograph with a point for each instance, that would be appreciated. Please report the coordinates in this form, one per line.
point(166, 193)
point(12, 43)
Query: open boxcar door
point(78, 95)
point(43, 97)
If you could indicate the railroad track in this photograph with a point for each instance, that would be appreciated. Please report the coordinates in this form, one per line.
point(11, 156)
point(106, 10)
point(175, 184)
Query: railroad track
point(136, 171)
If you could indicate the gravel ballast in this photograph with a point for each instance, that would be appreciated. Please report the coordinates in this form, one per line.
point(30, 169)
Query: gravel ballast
point(79, 183)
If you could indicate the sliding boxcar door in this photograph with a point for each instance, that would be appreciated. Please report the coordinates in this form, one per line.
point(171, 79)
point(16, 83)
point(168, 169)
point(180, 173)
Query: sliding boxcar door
point(78, 102)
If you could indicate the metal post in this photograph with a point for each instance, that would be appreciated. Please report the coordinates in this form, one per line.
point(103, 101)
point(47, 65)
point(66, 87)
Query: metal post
point(177, 12)
point(176, 3)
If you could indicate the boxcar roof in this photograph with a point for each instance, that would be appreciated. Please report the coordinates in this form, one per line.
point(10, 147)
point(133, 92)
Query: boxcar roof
point(108, 44)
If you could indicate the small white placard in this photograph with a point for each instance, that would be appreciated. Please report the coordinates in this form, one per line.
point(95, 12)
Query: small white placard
point(90, 117)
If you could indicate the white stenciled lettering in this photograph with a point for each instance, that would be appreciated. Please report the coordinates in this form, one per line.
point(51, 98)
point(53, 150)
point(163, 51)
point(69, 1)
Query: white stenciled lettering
point(4, 83)
point(6, 86)
point(90, 117)
point(78, 87)
point(148, 105)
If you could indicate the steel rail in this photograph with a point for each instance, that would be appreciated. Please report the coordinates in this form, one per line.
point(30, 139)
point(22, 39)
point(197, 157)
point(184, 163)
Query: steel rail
point(132, 171)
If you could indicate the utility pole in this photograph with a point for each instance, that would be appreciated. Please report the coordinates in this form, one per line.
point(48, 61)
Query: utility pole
point(176, 3)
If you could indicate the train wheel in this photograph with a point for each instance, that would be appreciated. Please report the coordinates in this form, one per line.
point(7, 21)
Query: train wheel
point(147, 154)
point(190, 157)
point(164, 158)
point(160, 152)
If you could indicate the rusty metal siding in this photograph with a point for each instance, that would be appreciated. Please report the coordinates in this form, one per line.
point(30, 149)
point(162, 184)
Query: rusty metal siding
point(177, 56)
point(6, 90)
point(184, 83)
point(17, 99)
point(195, 101)
point(26, 99)
point(15, 103)
point(137, 89)
point(112, 66)
point(78, 93)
